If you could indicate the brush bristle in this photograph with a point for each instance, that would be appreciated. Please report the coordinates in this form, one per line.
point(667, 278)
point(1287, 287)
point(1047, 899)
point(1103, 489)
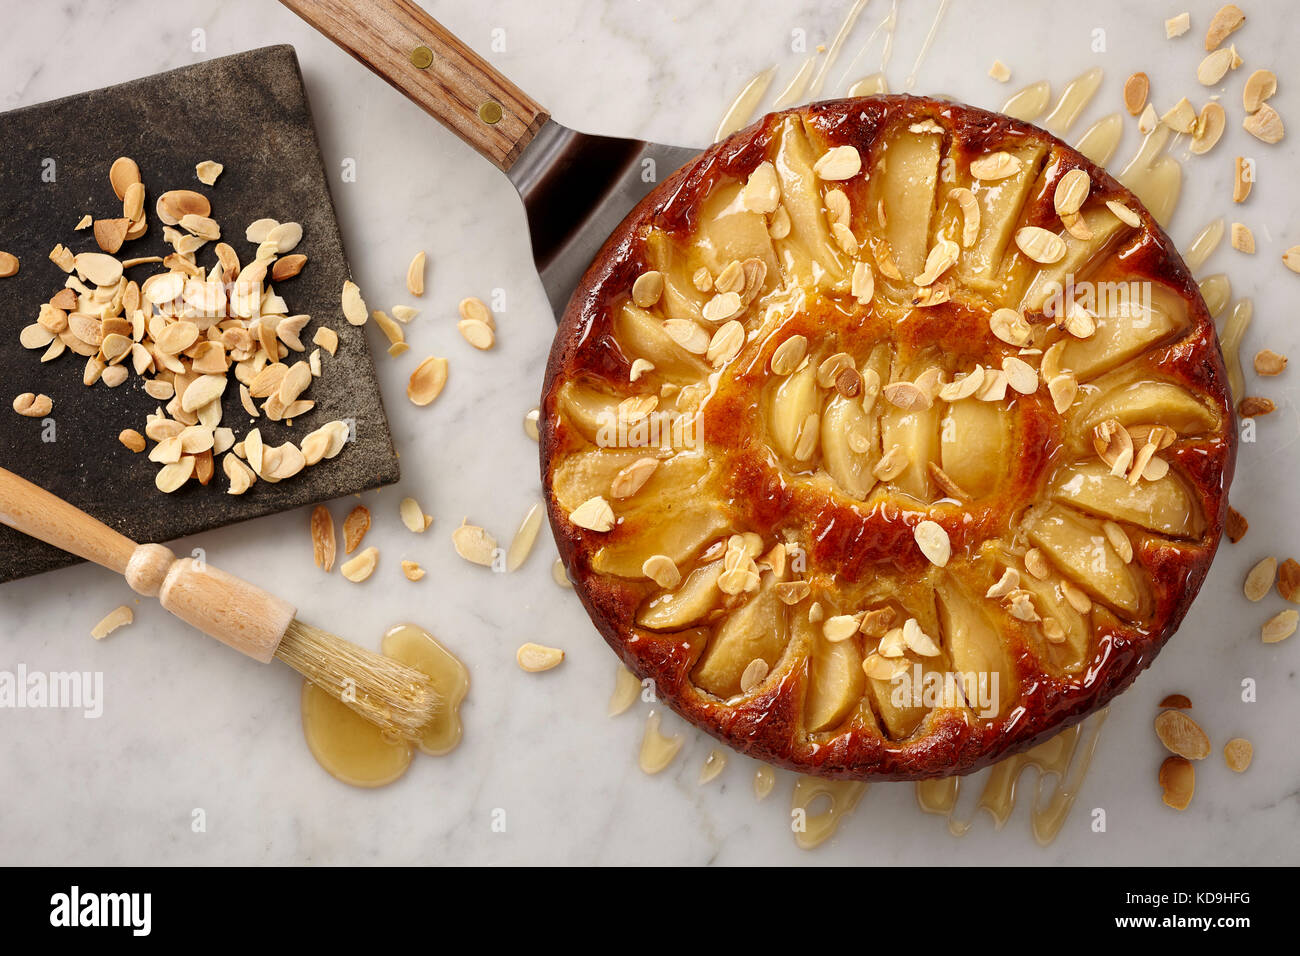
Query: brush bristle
point(394, 697)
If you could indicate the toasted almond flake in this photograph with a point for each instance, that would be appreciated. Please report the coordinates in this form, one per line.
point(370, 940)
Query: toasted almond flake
point(322, 528)
point(171, 476)
point(1279, 627)
point(1181, 735)
point(1010, 326)
point(994, 386)
point(594, 514)
point(1136, 89)
point(995, 166)
point(639, 367)
point(753, 676)
point(1237, 754)
point(1021, 376)
point(933, 541)
point(939, 260)
point(354, 307)
point(412, 571)
point(1264, 124)
point(1071, 192)
point(906, 395)
point(1040, 244)
point(970, 211)
point(1214, 67)
point(33, 405)
point(892, 644)
point(725, 344)
point(917, 641)
point(474, 544)
point(662, 570)
point(1149, 119)
point(648, 288)
point(1076, 598)
point(1253, 406)
point(1181, 117)
point(536, 658)
point(779, 226)
point(175, 203)
point(1036, 564)
point(892, 463)
point(879, 668)
point(412, 515)
point(1020, 605)
point(840, 627)
point(762, 190)
point(632, 478)
point(122, 174)
point(110, 233)
point(688, 335)
point(1243, 240)
point(1269, 363)
point(118, 617)
point(1000, 71)
point(1260, 579)
point(838, 208)
point(1177, 779)
point(838, 163)
point(702, 279)
point(361, 567)
point(476, 333)
point(1176, 26)
point(1288, 580)
point(790, 354)
point(1261, 85)
point(415, 273)
point(427, 381)
point(1079, 322)
point(1225, 21)
point(1209, 128)
point(792, 592)
point(208, 171)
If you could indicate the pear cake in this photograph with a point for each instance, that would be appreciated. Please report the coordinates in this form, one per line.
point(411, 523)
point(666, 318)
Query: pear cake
point(888, 438)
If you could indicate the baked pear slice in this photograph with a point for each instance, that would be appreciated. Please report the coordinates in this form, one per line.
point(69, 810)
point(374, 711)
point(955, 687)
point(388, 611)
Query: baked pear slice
point(808, 256)
point(974, 441)
point(757, 629)
point(1166, 505)
point(1081, 550)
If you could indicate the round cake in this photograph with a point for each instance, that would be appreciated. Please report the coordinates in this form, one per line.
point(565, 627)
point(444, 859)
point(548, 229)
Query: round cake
point(888, 437)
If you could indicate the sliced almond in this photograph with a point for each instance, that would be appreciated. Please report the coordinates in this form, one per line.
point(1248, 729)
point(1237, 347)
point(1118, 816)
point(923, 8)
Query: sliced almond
point(208, 171)
point(32, 405)
point(1040, 244)
point(995, 166)
point(476, 333)
point(118, 617)
point(1214, 67)
point(415, 273)
point(354, 307)
point(1279, 627)
point(322, 530)
point(413, 515)
point(762, 190)
point(648, 288)
point(662, 570)
point(361, 567)
point(1260, 85)
point(933, 541)
point(1265, 125)
point(1123, 213)
point(1226, 20)
point(594, 514)
point(536, 658)
point(838, 164)
point(1136, 89)
point(474, 544)
point(427, 381)
point(1177, 778)
point(1181, 735)
point(355, 526)
point(1243, 240)
point(1209, 128)
point(412, 571)
point(122, 174)
point(790, 354)
point(1237, 754)
point(1071, 192)
point(1243, 180)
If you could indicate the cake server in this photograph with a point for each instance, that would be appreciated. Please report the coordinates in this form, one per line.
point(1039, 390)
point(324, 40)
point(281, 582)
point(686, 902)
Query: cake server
point(576, 187)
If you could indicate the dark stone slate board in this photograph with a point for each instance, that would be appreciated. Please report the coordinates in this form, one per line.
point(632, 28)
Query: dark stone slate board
point(250, 112)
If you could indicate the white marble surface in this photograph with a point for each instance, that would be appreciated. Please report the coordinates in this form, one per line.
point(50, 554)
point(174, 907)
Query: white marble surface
point(187, 724)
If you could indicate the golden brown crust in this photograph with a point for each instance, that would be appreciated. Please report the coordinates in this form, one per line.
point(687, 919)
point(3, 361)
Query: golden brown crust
point(853, 543)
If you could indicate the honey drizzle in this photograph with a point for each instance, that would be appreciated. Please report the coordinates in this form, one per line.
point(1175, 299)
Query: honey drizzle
point(745, 105)
point(764, 781)
point(1202, 247)
point(910, 82)
point(797, 86)
point(1216, 290)
point(843, 796)
point(626, 689)
point(1054, 758)
point(713, 765)
point(832, 54)
point(1101, 139)
point(657, 749)
point(1156, 179)
point(1029, 103)
point(1074, 99)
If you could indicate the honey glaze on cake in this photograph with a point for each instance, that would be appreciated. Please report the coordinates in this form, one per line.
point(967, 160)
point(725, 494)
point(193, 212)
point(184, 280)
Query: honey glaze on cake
point(846, 322)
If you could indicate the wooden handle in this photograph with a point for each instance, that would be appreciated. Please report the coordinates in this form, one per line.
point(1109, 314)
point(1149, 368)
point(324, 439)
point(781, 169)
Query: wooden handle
point(239, 614)
point(441, 75)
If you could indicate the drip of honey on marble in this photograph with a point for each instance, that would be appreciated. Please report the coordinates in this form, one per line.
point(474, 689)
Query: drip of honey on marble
point(1030, 103)
point(1060, 759)
point(1074, 99)
point(1101, 139)
point(797, 86)
point(626, 688)
point(1155, 179)
point(1216, 290)
point(357, 752)
point(745, 105)
point(764, 781)
point(842, 797)
point(832, 54)
point(713, 765)
point(657, 749)
point(870, 85)
point(910, 82)
point(1202, 247)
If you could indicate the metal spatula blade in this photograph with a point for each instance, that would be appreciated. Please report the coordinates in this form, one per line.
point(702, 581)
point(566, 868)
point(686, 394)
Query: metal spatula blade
point(576, 189)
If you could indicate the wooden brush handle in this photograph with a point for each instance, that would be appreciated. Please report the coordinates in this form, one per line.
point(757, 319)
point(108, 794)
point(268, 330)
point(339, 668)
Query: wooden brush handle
point(441, 75)
point(220, 605)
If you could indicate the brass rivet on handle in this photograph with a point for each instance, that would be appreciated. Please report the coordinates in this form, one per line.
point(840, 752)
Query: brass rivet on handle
point(421, 57)
point(490, 112)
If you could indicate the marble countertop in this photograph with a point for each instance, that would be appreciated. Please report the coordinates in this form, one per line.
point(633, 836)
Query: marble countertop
point(188, 726)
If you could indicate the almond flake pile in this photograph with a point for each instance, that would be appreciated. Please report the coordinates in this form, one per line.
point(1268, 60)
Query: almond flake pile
point(184, 329)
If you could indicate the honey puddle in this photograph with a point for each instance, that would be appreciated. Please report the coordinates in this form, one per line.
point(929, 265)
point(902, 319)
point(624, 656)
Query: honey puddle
point(745, 104)
point(1216, 290)
point(870, 85)
point(1101, 139)
point(626, 689)
point(814, 829)
point(657, 750)
point(1156, 179)
point(1074, 100)
point(764, 781)
point(357, 752)
point(1030, 103)
point(1054, 758)
point(714, 764)
point(1202, 247)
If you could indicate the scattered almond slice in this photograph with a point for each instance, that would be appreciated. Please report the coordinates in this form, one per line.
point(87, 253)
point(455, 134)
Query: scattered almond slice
point(1279, 627)
point(1176, 26)
point(1000, 71)
point(1177, 778)
point(1260, 579)
point(1136, 89)
point(1149, 119)
point(933, 541)
point(1211, 123)
point(1243, 240)
point(33, 406)
point(1235, 525)
point(1288, 580)
point(412, 571)
point(1264, 124)
point(476, 333)
point(838, 164)
point(360, 568)
point(427, 381)
point(1181, 735)
point(1225, 21)
point(1215, 67)
point(594, 514)
point(415, 274)
point(536, 658)
point(354, 307)
point(413, 516)
point(1237, 754)
point(1177, 701)
point(208, 171)
point(355, 526)
point(474, 544)
point(322, 536)
point(118, 617)
point(995, 166)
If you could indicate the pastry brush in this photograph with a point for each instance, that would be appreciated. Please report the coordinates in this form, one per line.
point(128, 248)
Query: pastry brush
point(397, 698)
